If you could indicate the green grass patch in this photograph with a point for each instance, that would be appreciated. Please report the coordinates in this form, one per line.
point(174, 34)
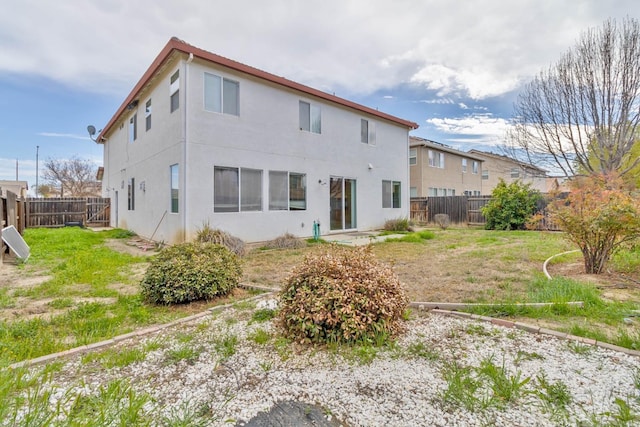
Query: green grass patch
point(414, 237)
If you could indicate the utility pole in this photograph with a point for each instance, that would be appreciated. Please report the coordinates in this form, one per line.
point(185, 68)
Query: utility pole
point(16, 169)
point(37, 188)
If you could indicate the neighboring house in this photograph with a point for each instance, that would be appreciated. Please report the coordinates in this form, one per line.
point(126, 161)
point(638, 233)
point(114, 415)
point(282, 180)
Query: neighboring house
point(202, 139)
point(496, 166)
point(19, 188)
point(438, 170)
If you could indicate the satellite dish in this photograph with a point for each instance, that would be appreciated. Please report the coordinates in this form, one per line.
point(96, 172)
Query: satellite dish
point(91, 129)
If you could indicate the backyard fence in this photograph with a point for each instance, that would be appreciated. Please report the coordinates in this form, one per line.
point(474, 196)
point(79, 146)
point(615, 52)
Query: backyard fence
point(465, 210)
point(58, 212)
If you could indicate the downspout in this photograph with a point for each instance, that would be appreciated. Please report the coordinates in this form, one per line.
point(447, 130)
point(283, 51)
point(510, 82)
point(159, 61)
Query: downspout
point(185, 136)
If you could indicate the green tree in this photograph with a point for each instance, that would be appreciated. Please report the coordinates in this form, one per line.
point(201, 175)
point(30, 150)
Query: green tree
point(599, 215)
point(511, 205)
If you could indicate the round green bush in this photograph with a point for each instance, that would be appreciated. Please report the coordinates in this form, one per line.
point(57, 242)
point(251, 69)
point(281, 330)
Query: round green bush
point(342, 294)
point(190, 272)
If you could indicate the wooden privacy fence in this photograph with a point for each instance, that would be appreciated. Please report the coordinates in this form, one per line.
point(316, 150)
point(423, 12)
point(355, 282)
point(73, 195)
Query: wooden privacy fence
point(424, 209)
point(465, 210)
point(58, 212)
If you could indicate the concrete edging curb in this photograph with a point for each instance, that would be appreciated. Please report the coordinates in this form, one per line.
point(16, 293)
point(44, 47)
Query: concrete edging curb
point(418, 305)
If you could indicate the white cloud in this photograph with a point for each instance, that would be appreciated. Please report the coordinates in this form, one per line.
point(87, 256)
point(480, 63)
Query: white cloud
point(437, 101)
point(482, 128)
point(63, 135)
point(463, 105)
point(480, 50)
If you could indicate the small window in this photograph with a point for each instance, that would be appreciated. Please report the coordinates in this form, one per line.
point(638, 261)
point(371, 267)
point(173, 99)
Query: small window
point(391, 191)
point(485, 174)
point(367, 132)
point(464, 165)
point(221, 95)
point(515, 173)
point(413, 156)
point(147, 115)
point(310, 117)
point(413, 191)
point(475, 167)
point(175, 189)
point(131, 189)
point(433, 192)
point(174, 91)
point(287, 191)
point(133, 128)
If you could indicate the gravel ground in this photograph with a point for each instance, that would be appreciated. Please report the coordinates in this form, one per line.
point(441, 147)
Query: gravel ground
point(404, 385)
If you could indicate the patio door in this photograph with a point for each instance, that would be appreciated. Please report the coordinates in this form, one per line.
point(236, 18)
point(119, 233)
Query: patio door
point(343, 203)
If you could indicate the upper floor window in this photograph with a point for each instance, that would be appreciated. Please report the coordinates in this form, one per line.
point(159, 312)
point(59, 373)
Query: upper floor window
point(464, 165)
point(436, 159)
point(287, 191)
point(133, 128)
point(413, 156)
point(485, 174)
point(310, 117)
point(147, 115)
point(367, 132)
point(475, 167)
point(515, 173)
point(221, 95)
point(391, 194)
point(174, 91)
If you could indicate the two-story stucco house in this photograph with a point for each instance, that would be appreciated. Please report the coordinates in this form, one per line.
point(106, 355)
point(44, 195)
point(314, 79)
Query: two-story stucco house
point(497, 166)
point(439, 170)
point(205, 139)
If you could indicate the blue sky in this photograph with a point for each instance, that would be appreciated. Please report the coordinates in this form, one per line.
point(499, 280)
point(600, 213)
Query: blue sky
point(453, 67)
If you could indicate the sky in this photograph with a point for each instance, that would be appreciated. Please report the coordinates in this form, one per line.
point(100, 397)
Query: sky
point(455, 67)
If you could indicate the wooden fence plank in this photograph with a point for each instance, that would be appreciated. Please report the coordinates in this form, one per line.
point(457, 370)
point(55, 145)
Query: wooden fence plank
point(56, 212)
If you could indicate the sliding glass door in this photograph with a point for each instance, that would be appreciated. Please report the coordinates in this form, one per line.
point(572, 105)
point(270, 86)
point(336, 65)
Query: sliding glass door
point(343, 203)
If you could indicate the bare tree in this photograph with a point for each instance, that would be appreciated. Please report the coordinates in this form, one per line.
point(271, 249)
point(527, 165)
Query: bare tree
point(74, 177)
point(582, 114)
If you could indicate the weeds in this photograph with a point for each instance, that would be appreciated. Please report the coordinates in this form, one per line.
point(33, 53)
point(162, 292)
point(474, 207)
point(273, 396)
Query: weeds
point(260, 336)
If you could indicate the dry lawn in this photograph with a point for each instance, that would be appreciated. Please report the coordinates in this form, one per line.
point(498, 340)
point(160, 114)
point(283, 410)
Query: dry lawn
point(458, 265)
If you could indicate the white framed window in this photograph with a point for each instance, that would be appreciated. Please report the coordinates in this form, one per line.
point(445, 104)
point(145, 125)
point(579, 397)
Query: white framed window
point(413, 191)
point(451, 192)
point(237, 189)
point(287, 191)
point(432, 192)
point(391, 194)
point(147, 114)
point(367, 132)
point(436, 159)
point(485, 174)
point(221, 95)
point(515, 173)
point(413, 156)
point(174, 91)
point(174, 171)
point(475, 165)
point(464, 165)
point(310, 117)
point(133, 128)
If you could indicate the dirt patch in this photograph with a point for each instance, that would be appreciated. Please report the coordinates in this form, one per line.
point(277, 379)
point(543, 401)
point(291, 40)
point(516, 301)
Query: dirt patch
point(135, 247)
